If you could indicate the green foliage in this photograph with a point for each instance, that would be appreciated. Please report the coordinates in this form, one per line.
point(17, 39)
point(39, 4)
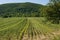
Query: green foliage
point(20, 9)
point(50, 11)
point(53, 11)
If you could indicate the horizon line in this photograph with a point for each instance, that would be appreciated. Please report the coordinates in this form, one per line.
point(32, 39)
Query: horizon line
point(20, 2)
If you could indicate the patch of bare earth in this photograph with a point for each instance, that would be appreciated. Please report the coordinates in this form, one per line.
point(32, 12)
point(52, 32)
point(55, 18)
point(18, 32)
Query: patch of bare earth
point(41, 36)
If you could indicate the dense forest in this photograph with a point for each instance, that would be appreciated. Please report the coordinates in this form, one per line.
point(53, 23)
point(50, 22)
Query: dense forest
point(20, 9)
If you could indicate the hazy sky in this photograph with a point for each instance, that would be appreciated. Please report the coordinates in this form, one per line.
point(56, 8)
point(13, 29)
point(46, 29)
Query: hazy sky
point(18, 1)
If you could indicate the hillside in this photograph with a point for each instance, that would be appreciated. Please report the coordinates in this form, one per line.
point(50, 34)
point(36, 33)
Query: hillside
point(20, 9)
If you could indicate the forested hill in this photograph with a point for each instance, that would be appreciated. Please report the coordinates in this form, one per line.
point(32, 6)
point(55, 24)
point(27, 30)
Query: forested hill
point(20, 9)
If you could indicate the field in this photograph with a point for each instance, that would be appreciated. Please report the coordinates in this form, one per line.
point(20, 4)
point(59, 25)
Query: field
point(28, 28)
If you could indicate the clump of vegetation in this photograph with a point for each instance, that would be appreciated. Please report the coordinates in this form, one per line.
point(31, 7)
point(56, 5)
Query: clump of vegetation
point(20, 9)
point(53, 14)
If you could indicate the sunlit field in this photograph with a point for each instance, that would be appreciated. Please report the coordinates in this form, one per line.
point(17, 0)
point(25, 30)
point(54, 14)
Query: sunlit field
point(28, 28)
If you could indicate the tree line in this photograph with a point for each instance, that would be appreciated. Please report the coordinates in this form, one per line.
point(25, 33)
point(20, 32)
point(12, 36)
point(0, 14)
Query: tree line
point(20, 10)
point(51, 11)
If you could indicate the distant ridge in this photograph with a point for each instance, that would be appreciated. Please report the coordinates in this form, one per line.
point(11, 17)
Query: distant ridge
point(20, 9)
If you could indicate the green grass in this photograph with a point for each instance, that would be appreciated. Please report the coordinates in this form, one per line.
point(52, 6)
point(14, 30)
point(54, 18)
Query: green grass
point(28, 28)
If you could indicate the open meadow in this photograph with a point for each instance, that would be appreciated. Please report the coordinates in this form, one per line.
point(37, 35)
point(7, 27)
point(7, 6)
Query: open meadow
point(28, 28)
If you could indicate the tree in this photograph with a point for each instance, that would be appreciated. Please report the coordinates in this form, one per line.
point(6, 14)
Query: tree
point(54, 11)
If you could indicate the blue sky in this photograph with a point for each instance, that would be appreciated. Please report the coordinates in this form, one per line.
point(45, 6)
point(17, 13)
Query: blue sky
point(18, 1)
